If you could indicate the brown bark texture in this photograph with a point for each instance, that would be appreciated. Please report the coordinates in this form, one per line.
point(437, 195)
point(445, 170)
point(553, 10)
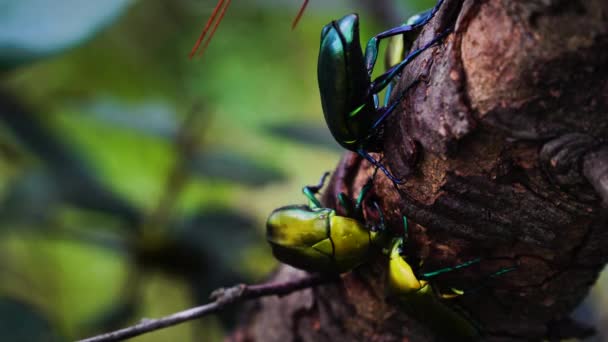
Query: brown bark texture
point(503, 148)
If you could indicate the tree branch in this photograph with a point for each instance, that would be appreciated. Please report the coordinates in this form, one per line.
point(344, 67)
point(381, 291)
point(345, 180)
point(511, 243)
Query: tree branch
point(222, 297)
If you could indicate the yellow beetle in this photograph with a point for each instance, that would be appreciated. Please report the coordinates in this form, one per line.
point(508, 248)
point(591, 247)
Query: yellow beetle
point(316, 239)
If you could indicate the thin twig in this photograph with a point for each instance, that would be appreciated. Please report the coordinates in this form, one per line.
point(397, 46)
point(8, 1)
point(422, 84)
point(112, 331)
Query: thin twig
point(221, 297)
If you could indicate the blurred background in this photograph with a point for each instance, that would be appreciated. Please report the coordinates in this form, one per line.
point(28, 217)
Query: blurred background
point(133, 180)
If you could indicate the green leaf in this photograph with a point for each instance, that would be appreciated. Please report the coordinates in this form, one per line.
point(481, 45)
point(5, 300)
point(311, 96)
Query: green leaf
point(220, 234)
point(29, 200)
point(33, 29)
point(154, 118)
point(304, 133)
point(225, 165)
point(71, 176)
point(22, 322)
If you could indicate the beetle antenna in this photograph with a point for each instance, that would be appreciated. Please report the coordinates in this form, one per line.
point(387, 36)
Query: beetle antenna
point(299, 15)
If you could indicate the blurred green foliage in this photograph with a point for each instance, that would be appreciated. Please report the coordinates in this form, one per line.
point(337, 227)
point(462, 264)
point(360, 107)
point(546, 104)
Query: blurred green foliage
point(30, 29)
point(134, 181)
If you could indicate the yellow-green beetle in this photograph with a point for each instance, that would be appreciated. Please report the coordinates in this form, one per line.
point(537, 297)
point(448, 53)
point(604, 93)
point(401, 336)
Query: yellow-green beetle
point(424, 302)
point(317, 239)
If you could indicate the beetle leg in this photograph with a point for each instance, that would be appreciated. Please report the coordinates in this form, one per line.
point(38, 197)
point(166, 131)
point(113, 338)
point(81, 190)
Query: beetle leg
point(457, 292)
point(384, 113)
point(371, 50)
point(377, 164)
point(365, 189)
point(346, 203)
point(389, 91)
point(449, 269)
point(376, 100)
point(488, 278)
point(382, 226)
point(383, 80)
point(404, 239)
point(310, 191)
point(405, 230)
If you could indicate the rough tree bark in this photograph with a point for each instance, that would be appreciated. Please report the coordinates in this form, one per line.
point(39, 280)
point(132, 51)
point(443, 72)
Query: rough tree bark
point(504, 151)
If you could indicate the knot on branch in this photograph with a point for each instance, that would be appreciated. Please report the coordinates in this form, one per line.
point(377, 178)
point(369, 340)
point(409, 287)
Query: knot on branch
point(595, 168)
point(562, 161)
point(227, 295)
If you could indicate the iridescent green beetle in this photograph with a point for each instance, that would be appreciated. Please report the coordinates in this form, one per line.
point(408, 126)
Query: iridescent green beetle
point(348, 95)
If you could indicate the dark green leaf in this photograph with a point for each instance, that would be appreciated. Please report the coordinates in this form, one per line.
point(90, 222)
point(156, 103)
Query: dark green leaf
point(229, 166)
point(203, 249)
point(119, 314)
point(20, 322)
point(29, 201)
point(306, 133)
point(220, 233)
point(72, 178)
point(156, 119)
